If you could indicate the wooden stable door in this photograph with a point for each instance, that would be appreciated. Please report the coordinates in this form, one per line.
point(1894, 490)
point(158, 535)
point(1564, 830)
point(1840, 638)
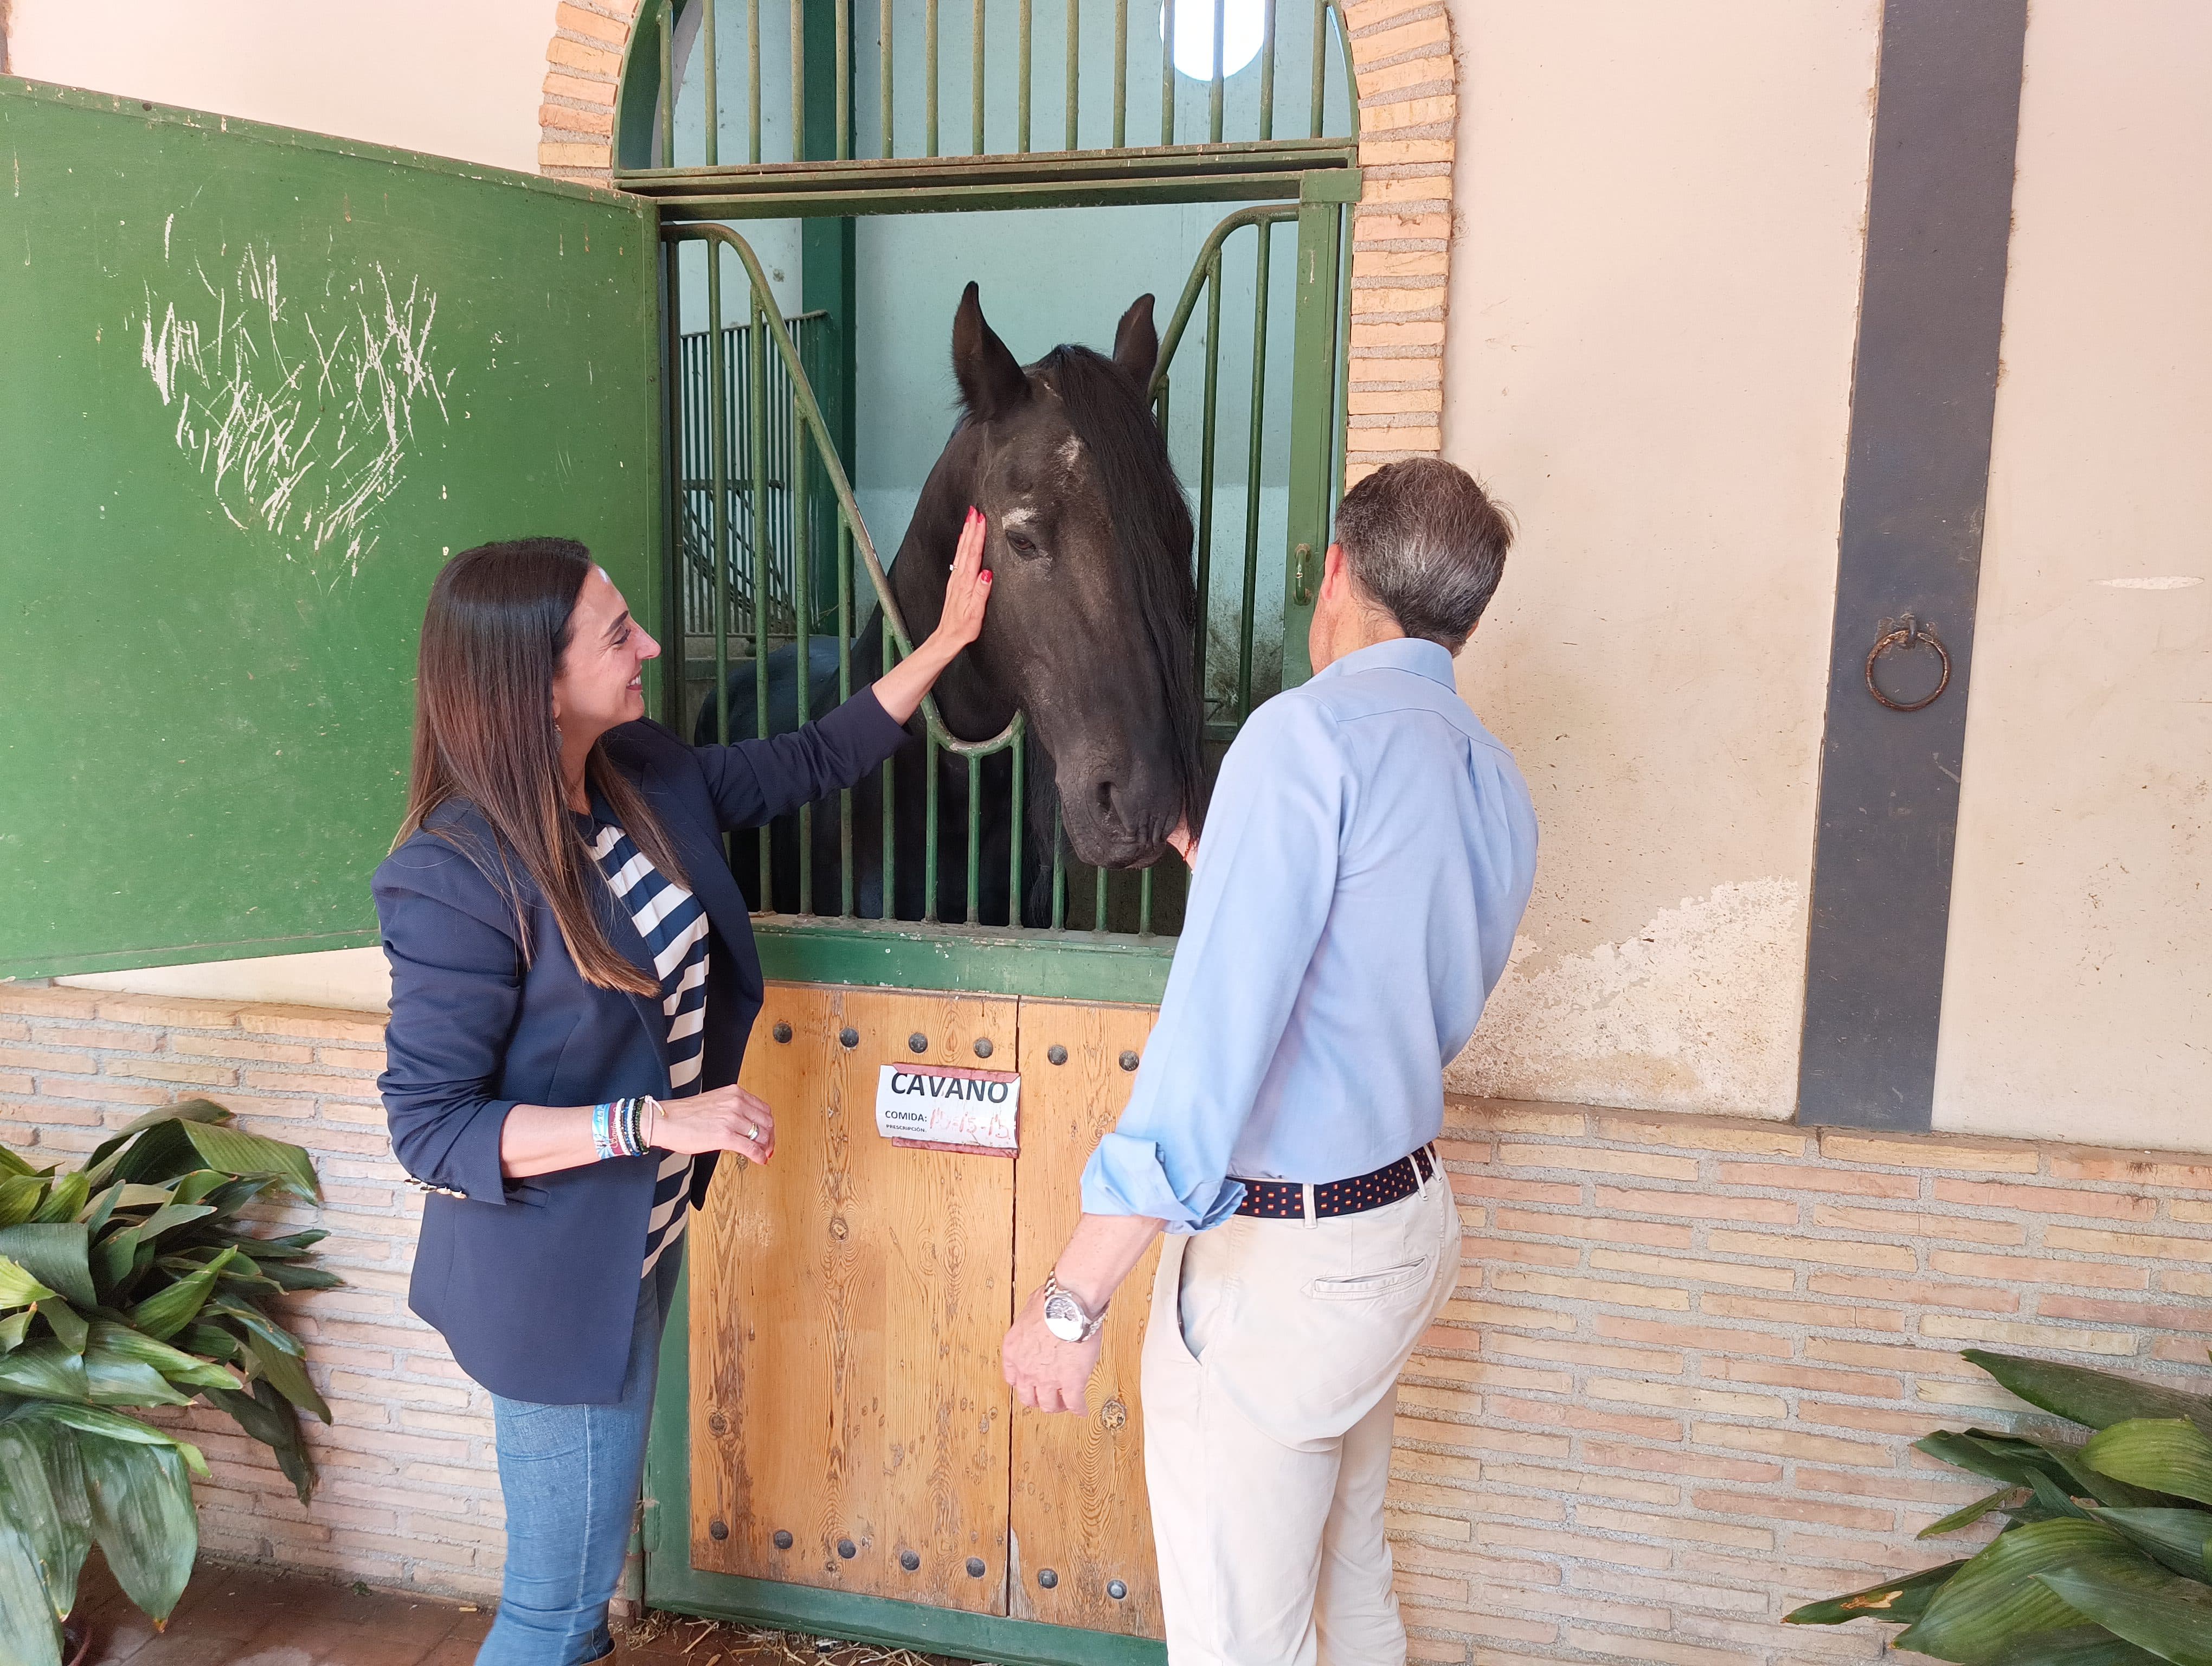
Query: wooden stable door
point(849, 1426)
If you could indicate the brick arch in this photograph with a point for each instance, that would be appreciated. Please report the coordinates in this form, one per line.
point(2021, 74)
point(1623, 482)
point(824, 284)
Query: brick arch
point(1401, 53)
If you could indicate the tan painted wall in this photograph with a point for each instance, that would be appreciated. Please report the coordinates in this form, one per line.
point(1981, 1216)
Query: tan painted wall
point(1649, 356)
point(2077, 1000)
point(453, 79)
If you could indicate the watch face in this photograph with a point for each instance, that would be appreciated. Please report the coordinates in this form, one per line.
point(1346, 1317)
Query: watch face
point(1063, 1318)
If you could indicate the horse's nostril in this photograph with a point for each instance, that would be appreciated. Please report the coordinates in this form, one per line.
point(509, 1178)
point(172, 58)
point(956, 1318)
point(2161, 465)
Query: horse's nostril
point(1105, 791)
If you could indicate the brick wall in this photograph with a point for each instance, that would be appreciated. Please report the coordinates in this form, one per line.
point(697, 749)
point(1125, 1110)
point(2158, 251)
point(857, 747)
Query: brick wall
point(408, 1494)
point(1676, 1394)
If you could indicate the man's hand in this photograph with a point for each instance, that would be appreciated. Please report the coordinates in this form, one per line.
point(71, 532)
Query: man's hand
point(1047, 1374)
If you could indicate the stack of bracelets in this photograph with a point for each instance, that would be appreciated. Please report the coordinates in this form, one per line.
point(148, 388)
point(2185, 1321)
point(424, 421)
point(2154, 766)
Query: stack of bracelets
point(618, 1126)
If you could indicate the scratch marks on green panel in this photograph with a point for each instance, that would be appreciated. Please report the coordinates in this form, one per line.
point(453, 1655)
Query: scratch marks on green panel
point(298, 416)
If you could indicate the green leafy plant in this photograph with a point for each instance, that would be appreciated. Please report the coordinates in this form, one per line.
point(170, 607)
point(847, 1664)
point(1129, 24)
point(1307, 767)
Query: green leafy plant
point(129, 1283)
point(2106, 1556)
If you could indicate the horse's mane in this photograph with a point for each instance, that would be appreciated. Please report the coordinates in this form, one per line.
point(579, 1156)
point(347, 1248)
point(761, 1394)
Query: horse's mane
point(1152, 526)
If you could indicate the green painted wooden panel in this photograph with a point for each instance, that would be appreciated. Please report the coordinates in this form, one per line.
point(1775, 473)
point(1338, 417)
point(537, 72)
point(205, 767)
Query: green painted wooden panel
point(254, 386)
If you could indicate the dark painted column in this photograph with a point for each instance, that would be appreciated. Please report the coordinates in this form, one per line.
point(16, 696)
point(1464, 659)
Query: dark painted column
point(826, 246)
point(1938, 221)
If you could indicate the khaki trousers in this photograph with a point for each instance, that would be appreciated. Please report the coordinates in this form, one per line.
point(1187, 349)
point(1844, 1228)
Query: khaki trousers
point(1270, 1379)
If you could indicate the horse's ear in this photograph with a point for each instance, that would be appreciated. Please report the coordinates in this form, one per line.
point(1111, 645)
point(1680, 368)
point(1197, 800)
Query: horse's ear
point(1137, 343)
point(991, 379)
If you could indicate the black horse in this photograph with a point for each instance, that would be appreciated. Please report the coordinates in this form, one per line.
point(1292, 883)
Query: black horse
point(1090, 631)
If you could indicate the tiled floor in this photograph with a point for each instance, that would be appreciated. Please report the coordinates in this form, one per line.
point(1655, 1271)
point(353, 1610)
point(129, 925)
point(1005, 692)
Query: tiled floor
point(231, 1617)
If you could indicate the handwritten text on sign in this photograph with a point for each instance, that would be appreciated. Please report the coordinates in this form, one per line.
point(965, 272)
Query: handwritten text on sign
point(944, 1105)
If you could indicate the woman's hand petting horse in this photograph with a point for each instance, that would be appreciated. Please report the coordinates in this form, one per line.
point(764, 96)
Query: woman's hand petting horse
point(721, 1119)
point(967, 591)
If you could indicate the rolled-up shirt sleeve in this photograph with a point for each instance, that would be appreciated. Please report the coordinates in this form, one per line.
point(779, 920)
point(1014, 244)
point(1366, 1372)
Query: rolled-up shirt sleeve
point(1259, 901)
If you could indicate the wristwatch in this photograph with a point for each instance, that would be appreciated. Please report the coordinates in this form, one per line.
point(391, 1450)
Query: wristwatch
point(1065, 1316)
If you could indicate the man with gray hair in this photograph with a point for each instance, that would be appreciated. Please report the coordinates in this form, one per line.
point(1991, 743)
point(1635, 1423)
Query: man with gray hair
point(1368, 853)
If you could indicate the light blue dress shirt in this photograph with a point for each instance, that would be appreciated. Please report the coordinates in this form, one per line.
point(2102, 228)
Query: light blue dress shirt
point(1366, 858)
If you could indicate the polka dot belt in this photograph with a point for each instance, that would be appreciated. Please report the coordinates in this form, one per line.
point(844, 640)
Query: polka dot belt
point(1285, 1200)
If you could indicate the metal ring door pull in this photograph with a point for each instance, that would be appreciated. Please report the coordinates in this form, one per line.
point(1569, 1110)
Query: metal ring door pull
point(1895, 634)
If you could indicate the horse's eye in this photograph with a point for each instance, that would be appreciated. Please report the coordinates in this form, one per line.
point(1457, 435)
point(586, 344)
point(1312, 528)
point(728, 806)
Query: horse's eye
point(1021, 543)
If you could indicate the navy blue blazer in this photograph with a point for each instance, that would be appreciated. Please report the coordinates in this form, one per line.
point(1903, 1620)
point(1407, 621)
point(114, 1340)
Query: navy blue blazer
point(534, 1283)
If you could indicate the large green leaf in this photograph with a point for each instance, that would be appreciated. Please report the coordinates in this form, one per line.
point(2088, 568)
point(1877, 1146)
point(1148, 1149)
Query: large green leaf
point(2076, 1646)
point(114, 1376)
point(29, 1635)
point(272, 1419)
point(172, 1363)
point(167, 1311)
point(112, 1425)
point(54, 1253)
point(1997, 1598)
point(12, 1164)
point(256, 1324)
point(68, 1325)
point(2170, 1616)
point(14, 1328)
point(2180, 1538)
point(17, 1287)
point(142, 1520)
point(67, 1197)
point(1968, 1515)
point(42, 1492)
point(102, 1162)
point(21, 1194)
point(2171, 1454)
point(240, 1154)
point(169, 1217)
point(1893, 1599)
point(287, 1375)
point(2098, 1398)
point(114, 1258)
point(42, 1369)
point(286, 1275)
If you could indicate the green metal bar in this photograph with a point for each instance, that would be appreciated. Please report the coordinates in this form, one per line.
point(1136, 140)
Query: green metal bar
point(975, 80)
point(1098, 903)
point(667, 99)
point(756, 401)
point(1351, 75)
point(809, 413)
point(1215, 92)
point(1145, 903)
point(1254, 444)
point(675, 658)
point(1167, 71)
point(1339, 357)
point(929, 840)
point(1022, 97)
point(1209, 429)
point(797, 80)
point(1014, 839)
point(1178, 320)
point(1312, 379)
point(1320, 68)
point(883, 72)
point(975, 841)
point(753, 80)
point(1152, 166)
point(1074, 66)
point(1059, 871)
point(714, 121)
point(844, 693)
point(718, 441)
point(844, 76)
point(929, 75)
point(1120, 73)
point(1267, 70)
point(891, 831)
point(802, 603)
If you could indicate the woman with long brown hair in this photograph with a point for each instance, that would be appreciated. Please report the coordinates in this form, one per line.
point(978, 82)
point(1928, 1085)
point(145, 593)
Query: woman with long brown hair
point(573, 982)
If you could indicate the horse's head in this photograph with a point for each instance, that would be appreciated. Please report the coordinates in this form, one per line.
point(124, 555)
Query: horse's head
point(1093, 608)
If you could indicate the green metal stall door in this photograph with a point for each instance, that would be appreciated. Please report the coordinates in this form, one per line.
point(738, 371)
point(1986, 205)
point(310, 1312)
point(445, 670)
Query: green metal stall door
point(258, 383)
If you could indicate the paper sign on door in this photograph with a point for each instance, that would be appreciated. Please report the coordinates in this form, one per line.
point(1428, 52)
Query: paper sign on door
point(944, 1108)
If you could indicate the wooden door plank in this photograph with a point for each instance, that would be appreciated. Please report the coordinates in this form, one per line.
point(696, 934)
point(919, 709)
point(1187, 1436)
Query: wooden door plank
point(847, 1302)
point(1079, 1508)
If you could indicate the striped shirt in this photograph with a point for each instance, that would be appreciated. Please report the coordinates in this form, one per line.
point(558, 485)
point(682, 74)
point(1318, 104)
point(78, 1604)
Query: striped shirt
point(674, 928)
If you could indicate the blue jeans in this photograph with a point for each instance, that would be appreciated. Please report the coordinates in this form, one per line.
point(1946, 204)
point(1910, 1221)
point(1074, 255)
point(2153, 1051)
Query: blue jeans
point(570, 1476)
